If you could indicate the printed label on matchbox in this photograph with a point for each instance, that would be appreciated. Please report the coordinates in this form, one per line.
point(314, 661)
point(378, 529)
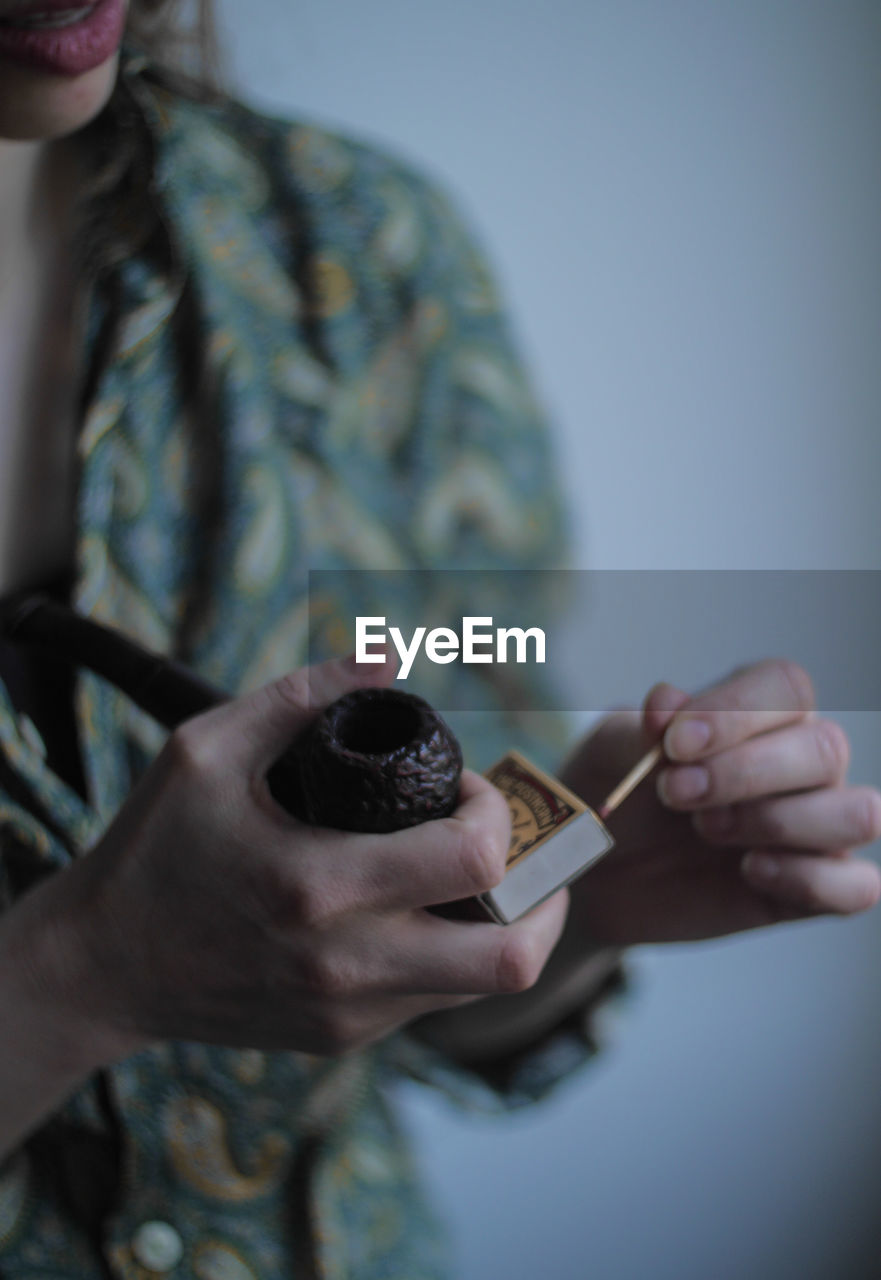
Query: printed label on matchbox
point(539, 804)
point(555, 837)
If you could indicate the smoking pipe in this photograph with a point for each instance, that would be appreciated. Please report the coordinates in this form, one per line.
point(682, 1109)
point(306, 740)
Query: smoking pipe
point(374, 760)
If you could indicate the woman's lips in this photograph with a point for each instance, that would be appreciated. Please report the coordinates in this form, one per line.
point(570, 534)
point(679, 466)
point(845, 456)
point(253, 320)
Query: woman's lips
point(19, 10)
point(60, 46)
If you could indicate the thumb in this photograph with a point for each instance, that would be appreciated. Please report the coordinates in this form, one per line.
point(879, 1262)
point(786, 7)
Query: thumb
point(661, 705)
point(263, 724)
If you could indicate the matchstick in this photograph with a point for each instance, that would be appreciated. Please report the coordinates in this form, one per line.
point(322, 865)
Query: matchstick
point(634, 777)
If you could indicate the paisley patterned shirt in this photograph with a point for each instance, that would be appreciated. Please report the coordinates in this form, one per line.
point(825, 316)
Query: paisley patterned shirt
point(366, 411)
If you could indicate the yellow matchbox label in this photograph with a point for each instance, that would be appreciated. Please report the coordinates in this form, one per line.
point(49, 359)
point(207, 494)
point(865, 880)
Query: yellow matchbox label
point(540, 805)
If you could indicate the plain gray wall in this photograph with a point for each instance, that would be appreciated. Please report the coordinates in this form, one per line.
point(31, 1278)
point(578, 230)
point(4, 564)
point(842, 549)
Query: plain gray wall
point(682, 200)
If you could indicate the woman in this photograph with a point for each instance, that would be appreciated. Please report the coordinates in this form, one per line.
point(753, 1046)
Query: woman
point(241, 357)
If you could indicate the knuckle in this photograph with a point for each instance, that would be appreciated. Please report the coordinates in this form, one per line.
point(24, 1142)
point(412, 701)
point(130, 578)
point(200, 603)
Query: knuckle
point(481, 856)
point(518, 964)
point(295, 897)
point(833, 747)
point(799, 682)
point(191, 751)
point(329, 977)
point(748, 776)
point(291, 691)
point(308, 902)
point(773, 826)
point(721, 720)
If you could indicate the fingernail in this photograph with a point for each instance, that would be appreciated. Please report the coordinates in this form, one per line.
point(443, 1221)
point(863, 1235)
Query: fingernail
point(686, 738)
point(677, 787)
point(760, 867)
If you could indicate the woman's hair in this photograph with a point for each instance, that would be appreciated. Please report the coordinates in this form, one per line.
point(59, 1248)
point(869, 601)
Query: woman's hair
point(171, 44)
point(181, 37)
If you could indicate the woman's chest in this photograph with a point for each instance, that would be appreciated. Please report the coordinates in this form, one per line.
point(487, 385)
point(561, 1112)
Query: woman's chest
point(37, 427)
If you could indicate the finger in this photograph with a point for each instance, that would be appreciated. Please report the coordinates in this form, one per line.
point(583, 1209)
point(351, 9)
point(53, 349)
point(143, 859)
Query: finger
point(752, 701)
point(660, 706)
point(384, 1014)
point(829, 818)
point(375, 1013)
point(259, 726)
point(813, 885)
point(435, 862)
point(813, 753)
point(327, 681)
point(446, 957)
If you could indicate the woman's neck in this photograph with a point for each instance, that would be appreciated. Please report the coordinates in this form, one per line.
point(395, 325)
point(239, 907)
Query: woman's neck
point(22, 173)
point(37, 190)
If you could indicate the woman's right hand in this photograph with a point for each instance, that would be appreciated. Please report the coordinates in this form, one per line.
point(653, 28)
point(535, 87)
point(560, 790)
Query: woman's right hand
point(208, 913)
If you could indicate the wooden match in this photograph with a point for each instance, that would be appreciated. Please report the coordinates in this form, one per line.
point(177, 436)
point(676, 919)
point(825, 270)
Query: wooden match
point(639, 771)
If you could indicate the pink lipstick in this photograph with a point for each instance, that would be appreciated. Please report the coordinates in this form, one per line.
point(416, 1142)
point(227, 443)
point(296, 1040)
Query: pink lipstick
point(63, 37)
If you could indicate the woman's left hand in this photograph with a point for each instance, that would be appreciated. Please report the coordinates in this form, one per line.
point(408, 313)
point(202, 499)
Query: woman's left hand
point(749, 822)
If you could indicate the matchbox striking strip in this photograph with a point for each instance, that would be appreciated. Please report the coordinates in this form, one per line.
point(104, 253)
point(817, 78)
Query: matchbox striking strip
point(555, 836)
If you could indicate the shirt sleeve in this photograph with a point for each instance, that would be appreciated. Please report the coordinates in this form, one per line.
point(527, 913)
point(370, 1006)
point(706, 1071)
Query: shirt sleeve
point(531, 1073)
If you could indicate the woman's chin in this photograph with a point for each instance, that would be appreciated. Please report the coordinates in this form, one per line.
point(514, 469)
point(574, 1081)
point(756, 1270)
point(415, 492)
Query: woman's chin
point(40, 106)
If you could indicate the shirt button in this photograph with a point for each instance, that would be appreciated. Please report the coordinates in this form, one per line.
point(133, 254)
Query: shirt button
point(157, 1246)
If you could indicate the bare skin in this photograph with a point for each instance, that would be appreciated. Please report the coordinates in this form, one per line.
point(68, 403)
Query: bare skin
point(40, 115)
point(37, 370)
point(279, 936)
point(771, 839)
point(208, 913)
